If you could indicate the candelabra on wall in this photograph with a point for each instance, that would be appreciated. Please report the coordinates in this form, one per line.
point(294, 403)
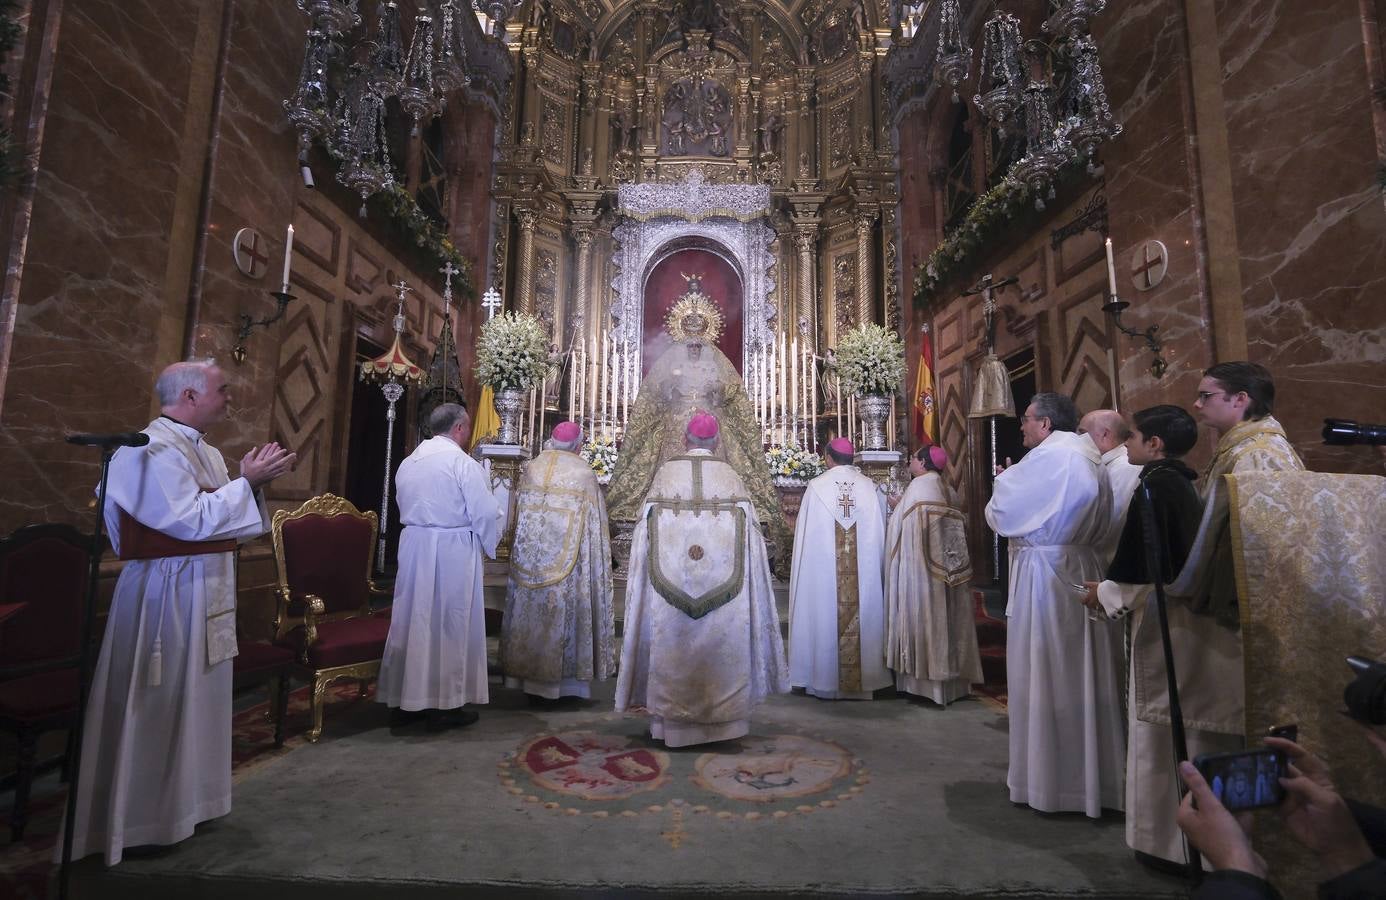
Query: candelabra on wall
point(1114, 307)
point(394, 372)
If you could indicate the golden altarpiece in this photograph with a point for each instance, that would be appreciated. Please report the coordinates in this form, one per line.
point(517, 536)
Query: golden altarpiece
point(742, 141)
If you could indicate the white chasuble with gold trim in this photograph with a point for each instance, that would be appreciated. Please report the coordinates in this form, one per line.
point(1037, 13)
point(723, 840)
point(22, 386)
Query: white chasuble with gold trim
point(836, 593)
point(558, 632)
point(702, 640)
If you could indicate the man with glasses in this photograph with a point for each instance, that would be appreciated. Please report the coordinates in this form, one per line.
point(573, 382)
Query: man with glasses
point(1067, 747)
point(1235, 400)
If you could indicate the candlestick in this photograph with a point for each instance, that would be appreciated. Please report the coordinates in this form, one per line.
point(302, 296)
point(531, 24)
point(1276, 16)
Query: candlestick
point(531, 442)
point(837, 381)
point(813, 401)
point(625, 401)
point(1111, 269)
point(784, 386)
point(288, 257)
point(572, 381)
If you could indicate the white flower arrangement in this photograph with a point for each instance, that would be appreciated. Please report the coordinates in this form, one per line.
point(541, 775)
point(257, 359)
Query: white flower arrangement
point(792, 463)
point(600, 454)
point(871, 360)
point(513, 352)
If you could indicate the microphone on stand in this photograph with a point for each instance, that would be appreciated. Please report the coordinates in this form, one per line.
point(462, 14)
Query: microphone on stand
point(123, 439)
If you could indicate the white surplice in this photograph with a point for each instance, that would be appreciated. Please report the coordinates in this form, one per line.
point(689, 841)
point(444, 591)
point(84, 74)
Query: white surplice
point(1063, 670)
point(931, 630)
point(836, 589)
point(435, 656)
point(559, 629)
point(702, 640)
point(156, 752)
point(1122, 478)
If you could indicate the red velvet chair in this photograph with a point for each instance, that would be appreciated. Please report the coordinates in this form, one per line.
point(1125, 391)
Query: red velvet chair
point(43, 584)
point(259, 662)
point(324, 550)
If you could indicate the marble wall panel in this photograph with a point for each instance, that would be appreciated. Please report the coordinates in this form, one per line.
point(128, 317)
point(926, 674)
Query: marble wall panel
point(83, 352)
point(1310, 218)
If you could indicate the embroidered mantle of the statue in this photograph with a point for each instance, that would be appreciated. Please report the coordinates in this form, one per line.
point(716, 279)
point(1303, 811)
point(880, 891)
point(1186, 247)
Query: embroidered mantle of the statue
point(554, 502)
point(697, 533)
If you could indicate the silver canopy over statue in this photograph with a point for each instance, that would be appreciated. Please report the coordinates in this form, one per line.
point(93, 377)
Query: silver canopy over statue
point(690, 376)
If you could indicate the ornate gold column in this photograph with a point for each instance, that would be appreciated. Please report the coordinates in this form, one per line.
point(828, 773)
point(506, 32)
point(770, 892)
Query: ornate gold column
point(582, 237)
point(864, 219)
point(524, 265)
point(804, 241)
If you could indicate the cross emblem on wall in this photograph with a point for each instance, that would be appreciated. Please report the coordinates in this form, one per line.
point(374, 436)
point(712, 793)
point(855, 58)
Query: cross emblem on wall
point(246, 252)
point(1149, 263)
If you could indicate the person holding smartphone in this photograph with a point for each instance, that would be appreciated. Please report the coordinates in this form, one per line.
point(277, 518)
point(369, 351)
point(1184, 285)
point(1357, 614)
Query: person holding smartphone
point(1349, 838)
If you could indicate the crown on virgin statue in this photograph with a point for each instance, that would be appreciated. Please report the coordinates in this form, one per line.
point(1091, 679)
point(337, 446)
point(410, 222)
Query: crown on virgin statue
point(694, 317)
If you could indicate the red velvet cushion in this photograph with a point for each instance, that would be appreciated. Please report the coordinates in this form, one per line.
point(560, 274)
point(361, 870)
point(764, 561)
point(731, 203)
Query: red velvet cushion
point(257, 656)
point(49, 576)
point(344, 643)
point(37, 696)
point(328, 556)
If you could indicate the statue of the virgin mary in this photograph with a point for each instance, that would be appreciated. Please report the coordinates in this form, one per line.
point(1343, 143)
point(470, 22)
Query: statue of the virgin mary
point(693, 375)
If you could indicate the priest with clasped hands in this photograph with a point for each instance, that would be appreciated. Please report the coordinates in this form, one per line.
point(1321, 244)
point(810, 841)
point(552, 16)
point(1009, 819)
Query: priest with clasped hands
point(702, 637)
point(836, 591)
point(156, 750)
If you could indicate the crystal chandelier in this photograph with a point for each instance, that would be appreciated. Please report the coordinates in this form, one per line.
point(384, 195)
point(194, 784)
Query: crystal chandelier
point(1089, 119)
point(386, 72)
point(1070, 17)
point(309, 109)
point(331, 16)
point(416, 95)
point(1047, 149)
point(366, 148)
point(450, 65)
point(1000, 70)
point(954, 56)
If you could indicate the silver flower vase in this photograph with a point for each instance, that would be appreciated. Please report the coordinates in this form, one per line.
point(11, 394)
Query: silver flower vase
point(874, 410)
point(508, 405)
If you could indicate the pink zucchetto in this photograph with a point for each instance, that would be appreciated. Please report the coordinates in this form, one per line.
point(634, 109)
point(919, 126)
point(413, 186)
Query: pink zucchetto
point(703, 426)
point(566, 432)
point(842, 446)
point(939, 457)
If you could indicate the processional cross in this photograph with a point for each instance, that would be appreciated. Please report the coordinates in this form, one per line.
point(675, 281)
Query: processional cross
point(491, 302)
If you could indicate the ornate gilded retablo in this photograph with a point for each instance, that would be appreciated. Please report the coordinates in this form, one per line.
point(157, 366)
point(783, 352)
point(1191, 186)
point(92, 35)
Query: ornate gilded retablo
point(694, 317)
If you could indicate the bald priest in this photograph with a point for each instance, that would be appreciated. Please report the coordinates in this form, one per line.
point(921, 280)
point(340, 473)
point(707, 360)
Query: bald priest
point(702, 640)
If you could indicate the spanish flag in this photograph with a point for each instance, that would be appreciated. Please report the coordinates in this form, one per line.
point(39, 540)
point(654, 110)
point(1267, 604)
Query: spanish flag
point(925, 407)
point(487, 423)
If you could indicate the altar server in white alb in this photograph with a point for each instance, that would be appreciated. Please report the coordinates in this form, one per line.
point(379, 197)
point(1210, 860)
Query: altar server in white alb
point(836, 589)
point(435, 655)
point(559, 629)
point(702, 637)
point(156, 752)
point(1063, 666)
point(931, 631)
point(1108, 431)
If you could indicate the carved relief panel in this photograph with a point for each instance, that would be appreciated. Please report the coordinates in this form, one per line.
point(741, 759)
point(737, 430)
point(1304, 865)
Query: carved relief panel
point(696, 104)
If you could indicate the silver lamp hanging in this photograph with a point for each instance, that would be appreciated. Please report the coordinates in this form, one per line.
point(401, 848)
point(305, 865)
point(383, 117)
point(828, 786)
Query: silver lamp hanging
point(366, 147)
point(450, 63)
point(331, 16)
point(1089, 121)
point(1047, 150)
point(1000, 71)
point(309, 110)
point(416, 95)
point(1071, 17)
point(954, 55)
point(386, 72)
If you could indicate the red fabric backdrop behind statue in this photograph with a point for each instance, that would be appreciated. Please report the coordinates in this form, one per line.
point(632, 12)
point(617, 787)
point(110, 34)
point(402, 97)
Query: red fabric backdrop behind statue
point(666, 285)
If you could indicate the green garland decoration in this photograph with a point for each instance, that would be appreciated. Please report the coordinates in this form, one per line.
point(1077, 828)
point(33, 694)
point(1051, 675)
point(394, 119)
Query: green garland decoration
point(1004, 207)
point(399, 205)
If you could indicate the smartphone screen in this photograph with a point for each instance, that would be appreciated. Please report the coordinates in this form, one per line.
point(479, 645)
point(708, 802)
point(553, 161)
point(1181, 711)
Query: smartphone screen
point(1244, 780)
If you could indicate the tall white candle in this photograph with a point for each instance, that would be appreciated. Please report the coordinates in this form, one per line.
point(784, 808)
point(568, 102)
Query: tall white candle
point(1111, 269)
point(794, 388)
point(572, 381)
point(813, 403)
point(288, 257)
point(605, 383)
point(784, 386)
point(838, 381)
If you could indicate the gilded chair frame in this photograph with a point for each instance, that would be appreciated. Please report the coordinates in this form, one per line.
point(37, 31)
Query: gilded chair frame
point(315, 610)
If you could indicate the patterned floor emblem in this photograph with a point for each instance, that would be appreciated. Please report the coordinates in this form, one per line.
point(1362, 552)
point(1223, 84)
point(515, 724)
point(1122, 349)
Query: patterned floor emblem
point(773, 768)
point(593, 766)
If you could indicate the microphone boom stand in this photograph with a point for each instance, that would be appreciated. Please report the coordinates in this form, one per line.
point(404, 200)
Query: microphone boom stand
point(74, 767)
